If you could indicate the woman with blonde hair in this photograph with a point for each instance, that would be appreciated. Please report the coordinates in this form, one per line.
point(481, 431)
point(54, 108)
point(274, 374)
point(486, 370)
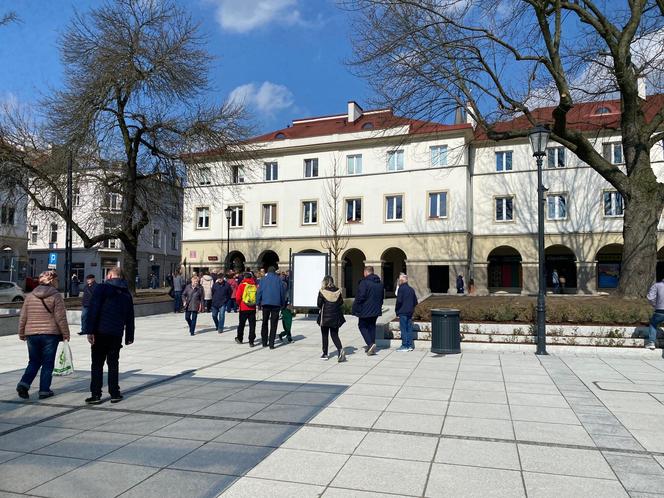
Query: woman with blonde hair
point(43, 324)
point(193, 303)
point(331, 317)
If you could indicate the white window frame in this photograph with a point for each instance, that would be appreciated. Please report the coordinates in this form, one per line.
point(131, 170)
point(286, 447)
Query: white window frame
point(202, 219)
point(555, 153)
point(557, 206)
point(109, 243)
point(614, 204)
point(438, 156)
point(34, 234)
point(273, 216)
point(503, 166)
point(113, 201)
point(392, 198)
point(8, 216)
point(503, 199)
point(352, 201)
point(156, 238)
point(356, 161)
point(174, 241)
point(311, 167)
point(237, 216)
point(613, 151)
point(53, 229)
point(310, 208)
point(237, 174)
point(205, 176)
point(395, 160)
point(271, 171)
point(437, 194)
point(76, 197)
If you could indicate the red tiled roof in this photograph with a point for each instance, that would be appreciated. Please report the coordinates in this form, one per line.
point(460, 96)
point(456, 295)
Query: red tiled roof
point(582, 117)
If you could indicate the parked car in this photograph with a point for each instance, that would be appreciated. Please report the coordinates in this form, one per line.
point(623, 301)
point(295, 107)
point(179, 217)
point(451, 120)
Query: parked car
point(10, 292)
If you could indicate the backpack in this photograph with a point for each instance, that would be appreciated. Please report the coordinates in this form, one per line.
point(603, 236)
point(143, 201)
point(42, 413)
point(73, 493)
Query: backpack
point(249, 295)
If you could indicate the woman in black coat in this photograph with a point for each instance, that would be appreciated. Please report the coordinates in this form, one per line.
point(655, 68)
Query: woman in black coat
point(331, 316)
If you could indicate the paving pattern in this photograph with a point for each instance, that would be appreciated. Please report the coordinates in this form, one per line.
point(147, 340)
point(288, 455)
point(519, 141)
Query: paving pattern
point(204, 417)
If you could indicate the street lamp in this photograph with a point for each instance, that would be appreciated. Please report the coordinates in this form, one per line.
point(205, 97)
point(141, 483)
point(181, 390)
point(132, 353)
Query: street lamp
point(229, 212)
point(539, 136)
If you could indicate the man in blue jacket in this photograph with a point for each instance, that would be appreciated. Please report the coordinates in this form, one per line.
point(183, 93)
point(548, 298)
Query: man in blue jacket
point(368, 306)
point(110, 316)
point(271, 297)
point(406, 302)
point(221, 294)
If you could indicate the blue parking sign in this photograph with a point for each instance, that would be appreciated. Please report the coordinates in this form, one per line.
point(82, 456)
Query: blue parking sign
point(52, 260)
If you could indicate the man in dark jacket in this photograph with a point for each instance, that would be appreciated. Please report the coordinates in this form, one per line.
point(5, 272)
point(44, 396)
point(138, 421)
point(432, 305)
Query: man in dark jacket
point(110, 316)
point(221, 294)
point(90, 285)
point(368, 306)
point(406, 302)
point(271, 298)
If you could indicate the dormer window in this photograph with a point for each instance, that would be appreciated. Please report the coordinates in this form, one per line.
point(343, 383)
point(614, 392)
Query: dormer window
point(367, 126)
point(603, 110)
point(280, 136)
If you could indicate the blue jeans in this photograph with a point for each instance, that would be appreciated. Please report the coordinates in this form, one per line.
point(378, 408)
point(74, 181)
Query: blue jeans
point(655, 320)
point(191, 317)
point(178, 300)
point(406, 327)
point(231, 306)
point(219, 317)
point(42, 349)
point(84, 313)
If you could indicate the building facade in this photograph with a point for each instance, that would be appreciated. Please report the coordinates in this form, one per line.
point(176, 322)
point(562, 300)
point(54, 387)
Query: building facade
point(433, 200)
point(13, 238)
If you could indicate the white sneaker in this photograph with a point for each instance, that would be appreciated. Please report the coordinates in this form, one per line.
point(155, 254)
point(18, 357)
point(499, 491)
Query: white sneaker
point(324, 357)
point(372, 350)
point(650, 346)
point(402, 349)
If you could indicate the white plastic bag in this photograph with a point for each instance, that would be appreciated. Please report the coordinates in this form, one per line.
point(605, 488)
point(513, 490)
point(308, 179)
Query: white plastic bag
point(64, 363)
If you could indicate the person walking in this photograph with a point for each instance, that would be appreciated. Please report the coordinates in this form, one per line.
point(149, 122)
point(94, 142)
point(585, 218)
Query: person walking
point(88, 290)
point(231, 307)
point(42, 324)
point(111, 315)
point(193, 303)
point(221, 294)
point(271, 298)
point(206, 283)
point(656, 299)
point(75, 286)
point(555, 279)
point(178, 287)
point(154, 282)
point(368, 306)
point(460, 287)
point(246, 300)
point(331, 317)
point(406, 302)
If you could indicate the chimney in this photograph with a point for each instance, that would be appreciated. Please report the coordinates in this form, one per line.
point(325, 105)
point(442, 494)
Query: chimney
point(459, 117)
point(641, 87)
point(354, 111)
point(469, 117)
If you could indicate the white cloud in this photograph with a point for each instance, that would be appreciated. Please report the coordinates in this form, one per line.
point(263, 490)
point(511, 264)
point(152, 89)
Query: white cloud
point(242, 16)
point(266, 98)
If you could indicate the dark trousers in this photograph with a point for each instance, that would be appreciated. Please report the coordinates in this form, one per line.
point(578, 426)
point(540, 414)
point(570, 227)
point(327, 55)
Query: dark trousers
point(368, 329)
point(244, 316)
point(41, 353)
point(191, 317)
point(208, 304)
point(105, 349)
point(271, 318)
point(334, 332)
point(177, 304)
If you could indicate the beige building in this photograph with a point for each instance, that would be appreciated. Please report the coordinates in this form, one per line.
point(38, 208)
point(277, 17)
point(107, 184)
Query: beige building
point(13, 238)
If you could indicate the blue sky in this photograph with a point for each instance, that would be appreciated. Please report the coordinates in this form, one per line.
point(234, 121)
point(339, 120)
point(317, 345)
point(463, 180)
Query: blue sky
point(283, 58)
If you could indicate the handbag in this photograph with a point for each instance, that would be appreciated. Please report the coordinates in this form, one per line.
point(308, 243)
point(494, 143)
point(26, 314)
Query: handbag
point(64, 362)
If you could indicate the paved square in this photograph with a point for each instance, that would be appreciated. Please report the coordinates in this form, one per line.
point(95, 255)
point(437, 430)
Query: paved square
point(205, 417)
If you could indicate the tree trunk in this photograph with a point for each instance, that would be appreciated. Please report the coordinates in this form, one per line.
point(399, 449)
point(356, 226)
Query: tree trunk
point(131, 266)
point(643, 207)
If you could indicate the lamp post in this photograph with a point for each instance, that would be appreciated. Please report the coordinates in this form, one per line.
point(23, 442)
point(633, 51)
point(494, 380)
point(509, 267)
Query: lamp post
point(228, 212)
point(539, 136)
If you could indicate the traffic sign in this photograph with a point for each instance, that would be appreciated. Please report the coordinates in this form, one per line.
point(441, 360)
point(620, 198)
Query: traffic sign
point(52, 260)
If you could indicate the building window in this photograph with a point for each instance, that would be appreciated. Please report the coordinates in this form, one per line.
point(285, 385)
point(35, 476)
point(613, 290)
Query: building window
point(7, 216)
point(613, 203)
point(237, 216)
point(34, 234)
point(53, 238)
point(439, 155)
point(394, 208)
point(109, 243)
point(269, 215)
point(156, 238)
point(76, 197)
point(310, 168)
point(54, 201)
point(309, 212)
point(504, 161)
point(202, 218)
point(437, 205)
point(613, 152)
point(271, 172)
point(205, 178)
point(556, 206)
point(174, 241)
point(112, 201)
point(238, 174)
point(504, 208)
point(353, 210)
point(354, 164)
point(555, 157)
point(395, 160)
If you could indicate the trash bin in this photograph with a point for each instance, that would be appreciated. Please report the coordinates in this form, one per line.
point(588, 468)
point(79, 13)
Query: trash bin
point(445, 331)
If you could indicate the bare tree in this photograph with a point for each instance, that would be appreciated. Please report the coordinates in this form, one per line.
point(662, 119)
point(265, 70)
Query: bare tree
point(8, 18)
point(501, 59)
point(134, 103)
point(334, 230)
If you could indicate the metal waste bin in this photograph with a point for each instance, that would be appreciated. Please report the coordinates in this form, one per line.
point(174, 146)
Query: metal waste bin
point(445, 331)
